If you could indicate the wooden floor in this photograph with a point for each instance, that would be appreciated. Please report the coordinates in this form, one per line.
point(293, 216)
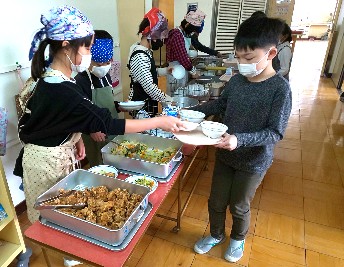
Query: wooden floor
point(298, 211)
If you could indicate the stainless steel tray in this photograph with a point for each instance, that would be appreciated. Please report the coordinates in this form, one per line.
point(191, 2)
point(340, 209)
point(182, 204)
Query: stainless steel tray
point(83, 178)
point(141, 166)
point(120, 247)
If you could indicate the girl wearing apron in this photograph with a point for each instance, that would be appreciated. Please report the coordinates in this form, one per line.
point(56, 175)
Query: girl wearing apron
point(57, 110)
point(141, 64)
point(97, 85)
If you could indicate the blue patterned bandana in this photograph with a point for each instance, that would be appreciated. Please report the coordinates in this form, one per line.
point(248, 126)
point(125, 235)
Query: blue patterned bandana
point(102, 50)
point(62, 23)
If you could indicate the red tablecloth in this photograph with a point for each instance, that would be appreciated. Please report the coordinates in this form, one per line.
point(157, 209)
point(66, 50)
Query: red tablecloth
point(86, 251)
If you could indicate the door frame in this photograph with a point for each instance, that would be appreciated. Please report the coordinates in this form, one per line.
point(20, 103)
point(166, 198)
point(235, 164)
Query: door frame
point(334, 25)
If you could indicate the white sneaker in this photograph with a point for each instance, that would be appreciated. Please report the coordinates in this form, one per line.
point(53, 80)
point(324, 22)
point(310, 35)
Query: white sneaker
point(70, 263)
point(235, 250)
point(205, 244)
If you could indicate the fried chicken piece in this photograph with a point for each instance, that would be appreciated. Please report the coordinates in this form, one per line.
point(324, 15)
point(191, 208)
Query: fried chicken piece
point(105, 218)
point(100, 192)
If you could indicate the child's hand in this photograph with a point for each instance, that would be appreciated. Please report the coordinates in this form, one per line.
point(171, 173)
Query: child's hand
point(228, 141)
point(80, 152)
point(98, 136)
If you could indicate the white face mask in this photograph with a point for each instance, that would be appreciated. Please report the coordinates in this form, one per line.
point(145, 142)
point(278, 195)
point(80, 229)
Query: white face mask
point(84, 65)
point(101, 71)
point(250, 70)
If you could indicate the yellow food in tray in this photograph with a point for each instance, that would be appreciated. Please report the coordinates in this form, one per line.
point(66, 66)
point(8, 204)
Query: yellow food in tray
point(141, 151)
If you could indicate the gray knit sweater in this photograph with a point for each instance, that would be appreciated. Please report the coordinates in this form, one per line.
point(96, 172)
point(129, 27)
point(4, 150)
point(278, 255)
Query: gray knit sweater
point(257, 114)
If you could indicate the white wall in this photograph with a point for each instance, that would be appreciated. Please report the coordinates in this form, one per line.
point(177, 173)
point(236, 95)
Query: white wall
point(180, 9)
point(148, 5)
point(19, 21)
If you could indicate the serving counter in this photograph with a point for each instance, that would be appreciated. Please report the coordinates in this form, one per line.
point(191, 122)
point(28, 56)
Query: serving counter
point(94, 255)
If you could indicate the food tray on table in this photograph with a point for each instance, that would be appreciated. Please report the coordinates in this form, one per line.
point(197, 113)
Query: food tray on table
point(82, 179)
point(160, 180)
point(134, 162)
point(120, 247)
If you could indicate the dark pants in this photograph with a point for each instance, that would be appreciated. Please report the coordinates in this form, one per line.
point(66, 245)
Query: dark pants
point(236, 189)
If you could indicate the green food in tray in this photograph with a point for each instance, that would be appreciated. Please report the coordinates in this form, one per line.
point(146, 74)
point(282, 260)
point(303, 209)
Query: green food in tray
point(143, 152)
point(145, 182)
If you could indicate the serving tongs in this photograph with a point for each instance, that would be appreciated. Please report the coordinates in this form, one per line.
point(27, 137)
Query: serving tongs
point(46, 204)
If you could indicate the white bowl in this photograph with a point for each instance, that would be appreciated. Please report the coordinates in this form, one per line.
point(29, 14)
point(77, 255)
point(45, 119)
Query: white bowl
point(105, 170)
point(178, 72)
point(189, 126)
point(213, 129)
point(131, 105)
point(138, 179)
point(191, 115)
point(192, 53)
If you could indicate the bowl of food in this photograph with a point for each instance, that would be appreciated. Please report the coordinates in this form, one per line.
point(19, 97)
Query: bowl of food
point(191, 115)
point(143, 180)
point(213, 129)
point(106, 170)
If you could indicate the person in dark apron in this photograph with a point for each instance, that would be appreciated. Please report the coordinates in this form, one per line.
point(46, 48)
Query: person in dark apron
point(282, 62)
point(97, 85)
point(143, 72)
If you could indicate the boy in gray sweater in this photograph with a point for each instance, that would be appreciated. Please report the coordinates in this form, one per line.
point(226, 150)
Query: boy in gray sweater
point(256, 106)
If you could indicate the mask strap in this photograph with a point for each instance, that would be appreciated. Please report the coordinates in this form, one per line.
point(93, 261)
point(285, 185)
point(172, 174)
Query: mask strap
point(264, 56)
point(71, 62)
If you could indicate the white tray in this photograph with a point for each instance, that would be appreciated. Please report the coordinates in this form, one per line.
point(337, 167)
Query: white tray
point(195, 137)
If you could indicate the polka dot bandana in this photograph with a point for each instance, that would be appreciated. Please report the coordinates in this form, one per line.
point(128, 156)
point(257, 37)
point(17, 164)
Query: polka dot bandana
point(102, 50)
point(62, 23)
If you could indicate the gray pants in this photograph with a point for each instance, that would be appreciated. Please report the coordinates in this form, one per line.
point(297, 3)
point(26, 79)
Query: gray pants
point(236, 189)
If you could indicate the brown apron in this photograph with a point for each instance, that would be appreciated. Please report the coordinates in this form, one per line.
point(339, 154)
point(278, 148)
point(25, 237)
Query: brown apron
point(44, 167)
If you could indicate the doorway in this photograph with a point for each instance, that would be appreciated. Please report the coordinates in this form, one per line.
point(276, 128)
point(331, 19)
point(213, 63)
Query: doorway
point(318, 23)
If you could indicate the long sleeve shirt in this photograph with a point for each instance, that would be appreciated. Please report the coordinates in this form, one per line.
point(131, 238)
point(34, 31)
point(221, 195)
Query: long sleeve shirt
point(59, 109)
point(257, 114)
point(140, 71)
point(176, 51)
point(199, 46)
